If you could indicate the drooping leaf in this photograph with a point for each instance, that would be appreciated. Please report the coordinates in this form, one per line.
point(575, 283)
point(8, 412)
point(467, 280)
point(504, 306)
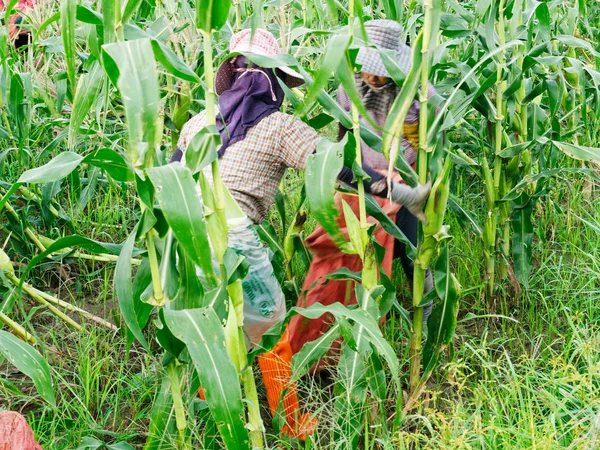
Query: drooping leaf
point(179, 202)
point(369, 326)
point(312, 351)
point(579, 152)
point(334, 54)
point(113, 163)
point(172, 62)
point(202, 332)
point(322, 169)
point(58, 168)
point(28, 360)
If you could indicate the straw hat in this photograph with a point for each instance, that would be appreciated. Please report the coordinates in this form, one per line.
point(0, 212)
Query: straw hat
point(261, 43)
point(385, 34)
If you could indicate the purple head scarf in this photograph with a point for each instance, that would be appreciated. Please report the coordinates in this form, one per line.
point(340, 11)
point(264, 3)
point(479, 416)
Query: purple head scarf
point(255, 93)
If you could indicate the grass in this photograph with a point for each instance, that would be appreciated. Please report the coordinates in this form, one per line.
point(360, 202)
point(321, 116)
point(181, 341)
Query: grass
point(525, 372)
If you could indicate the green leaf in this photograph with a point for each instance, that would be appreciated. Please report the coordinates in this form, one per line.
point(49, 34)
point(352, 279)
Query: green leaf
point(132, 68)
point(68, 12)
point(202, 149)
point(88, 15)
point(203, 334)
point(172, 63)
point(579, 152)
point(464, 215)
point(401, 105)
point(211, 14)
point(191, 291)
point(130, 9)
point(88, 87)
point(442, 321)
point(58, 168)
point(124, 289)
point(313, 351)
point(28, 360)
point(522, 238)
point(573, 42)
point(161, 431)
point(334, 54)
point(370, 330)
point(178, 199)
point(113, 163)
point(68, 242)
point(322, 169)
point(389, 225)
point(358, 240)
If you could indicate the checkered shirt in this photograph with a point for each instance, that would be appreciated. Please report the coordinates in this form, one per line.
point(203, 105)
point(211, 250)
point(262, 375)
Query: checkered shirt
point(252, 168)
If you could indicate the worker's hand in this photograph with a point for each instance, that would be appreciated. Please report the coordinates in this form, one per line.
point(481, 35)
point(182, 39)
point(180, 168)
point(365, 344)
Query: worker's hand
point(412, 198)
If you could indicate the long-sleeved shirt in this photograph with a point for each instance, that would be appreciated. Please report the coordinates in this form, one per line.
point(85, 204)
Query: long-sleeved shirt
point(252, 168)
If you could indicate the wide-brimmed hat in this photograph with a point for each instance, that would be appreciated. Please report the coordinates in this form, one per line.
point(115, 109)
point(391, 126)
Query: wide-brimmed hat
point(385, 34)
point(261, 42)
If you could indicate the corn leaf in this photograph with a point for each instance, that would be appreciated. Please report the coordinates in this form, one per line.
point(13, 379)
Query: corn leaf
point(211, 14)
point(28, 360)
point(179, 202)
point(131, 67)
point(322, 169)
point(58, 168)
point(579, 152)
point(202, 332)
point(68, 11)
point(88, 87)
point(124, 289)
point(522, 238)
point(442, 321)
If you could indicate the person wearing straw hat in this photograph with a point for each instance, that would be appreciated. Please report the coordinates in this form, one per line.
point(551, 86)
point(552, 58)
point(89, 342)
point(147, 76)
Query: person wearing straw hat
point(378, 93)
point(258, 143)
point(20, 36)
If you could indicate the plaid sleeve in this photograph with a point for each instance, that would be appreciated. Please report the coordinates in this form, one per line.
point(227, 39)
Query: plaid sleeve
point(297, 142)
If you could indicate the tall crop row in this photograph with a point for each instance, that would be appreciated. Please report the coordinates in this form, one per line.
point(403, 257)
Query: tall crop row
point(518, 98)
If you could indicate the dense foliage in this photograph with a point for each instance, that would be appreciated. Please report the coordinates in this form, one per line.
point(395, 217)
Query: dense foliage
point(91, 112)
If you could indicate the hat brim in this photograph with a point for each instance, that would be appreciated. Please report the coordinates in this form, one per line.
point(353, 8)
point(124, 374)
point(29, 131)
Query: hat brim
point(370, 60)
point(225, 73)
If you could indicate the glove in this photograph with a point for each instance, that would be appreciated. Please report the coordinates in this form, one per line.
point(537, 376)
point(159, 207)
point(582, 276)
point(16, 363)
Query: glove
point(412, 198)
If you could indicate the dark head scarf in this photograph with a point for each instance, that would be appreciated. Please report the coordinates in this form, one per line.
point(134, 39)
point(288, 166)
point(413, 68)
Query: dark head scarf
point(255, 93)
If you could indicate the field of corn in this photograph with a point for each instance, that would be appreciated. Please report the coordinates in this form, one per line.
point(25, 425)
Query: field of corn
point(102, 316)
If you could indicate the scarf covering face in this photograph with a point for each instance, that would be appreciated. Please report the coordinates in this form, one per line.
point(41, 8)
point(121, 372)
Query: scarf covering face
point(255, 94)
point(378, 100)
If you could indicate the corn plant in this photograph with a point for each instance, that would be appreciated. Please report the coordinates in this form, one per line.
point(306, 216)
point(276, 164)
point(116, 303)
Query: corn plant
point(518, 84)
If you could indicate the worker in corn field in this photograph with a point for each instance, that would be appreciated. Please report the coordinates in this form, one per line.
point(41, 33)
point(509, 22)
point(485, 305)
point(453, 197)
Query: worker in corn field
point(377, 92)
point(258, 143)
point(20, 36)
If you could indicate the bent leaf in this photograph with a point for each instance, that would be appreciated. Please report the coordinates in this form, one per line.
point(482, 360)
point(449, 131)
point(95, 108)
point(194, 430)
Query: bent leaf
point(28, 360)
point(203, 334)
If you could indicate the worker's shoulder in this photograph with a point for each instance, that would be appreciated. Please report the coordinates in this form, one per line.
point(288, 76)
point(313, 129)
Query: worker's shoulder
point(196, 123)
point(283, 121)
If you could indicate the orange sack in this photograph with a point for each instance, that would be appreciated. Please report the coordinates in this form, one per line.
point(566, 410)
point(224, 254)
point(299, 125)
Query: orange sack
point(327, 258)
